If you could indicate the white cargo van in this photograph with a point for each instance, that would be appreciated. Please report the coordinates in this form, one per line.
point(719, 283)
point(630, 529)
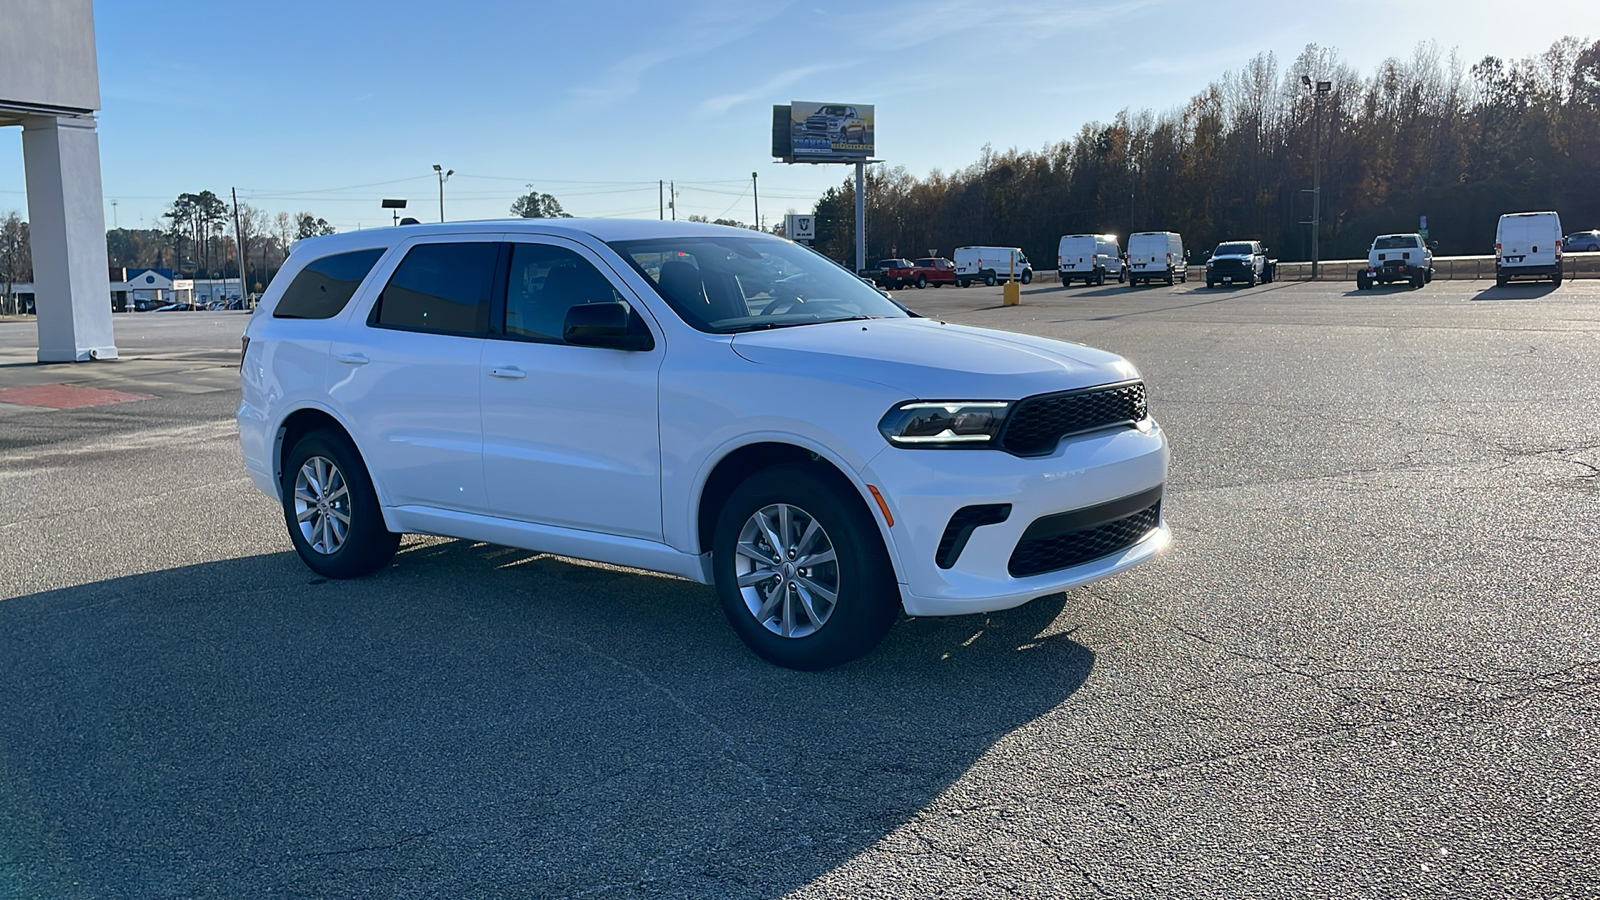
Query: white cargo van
point(1089, 257)
point(991, 265)
point(1528, 245)
point(1156, 256)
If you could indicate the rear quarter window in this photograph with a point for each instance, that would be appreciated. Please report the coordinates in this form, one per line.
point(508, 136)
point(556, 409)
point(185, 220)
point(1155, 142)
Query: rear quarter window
point(324, 287)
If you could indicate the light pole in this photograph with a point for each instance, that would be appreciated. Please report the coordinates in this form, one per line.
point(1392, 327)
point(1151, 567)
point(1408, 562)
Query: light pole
point(756, 197)
point(444, 176)
point(1322, 87)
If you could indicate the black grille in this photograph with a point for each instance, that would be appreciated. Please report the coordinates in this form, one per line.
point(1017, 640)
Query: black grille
point(1039, 423)
point(966, 520)
point(1231, 266)
point(1047, 553)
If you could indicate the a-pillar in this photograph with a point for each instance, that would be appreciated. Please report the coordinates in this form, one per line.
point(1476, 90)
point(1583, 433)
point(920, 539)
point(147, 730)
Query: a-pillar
point(67, 222)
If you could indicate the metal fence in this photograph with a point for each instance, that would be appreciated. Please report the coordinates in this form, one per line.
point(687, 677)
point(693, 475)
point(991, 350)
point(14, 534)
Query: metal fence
point(1457, 268)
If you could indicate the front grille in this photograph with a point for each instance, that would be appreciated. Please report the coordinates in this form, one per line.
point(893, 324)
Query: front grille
point(1230, 266)
point(1038, 423)
point(1040, 552)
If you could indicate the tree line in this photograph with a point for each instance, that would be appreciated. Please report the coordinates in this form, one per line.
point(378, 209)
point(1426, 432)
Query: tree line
point(1423, 136)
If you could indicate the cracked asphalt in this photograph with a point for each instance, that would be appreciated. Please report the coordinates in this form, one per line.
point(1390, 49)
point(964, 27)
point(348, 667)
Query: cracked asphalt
point(1368, 667)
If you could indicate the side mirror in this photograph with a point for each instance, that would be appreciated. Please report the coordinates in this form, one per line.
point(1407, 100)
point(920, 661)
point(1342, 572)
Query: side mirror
point(612, 325)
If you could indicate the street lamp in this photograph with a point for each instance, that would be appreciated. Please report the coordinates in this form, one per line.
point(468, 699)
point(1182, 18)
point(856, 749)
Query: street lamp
point(444, 175)
point(1322, 87)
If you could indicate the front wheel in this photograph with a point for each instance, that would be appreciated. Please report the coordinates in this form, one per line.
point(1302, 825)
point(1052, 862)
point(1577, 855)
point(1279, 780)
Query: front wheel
point(331, 508)
point(922, 282)
point(1027, 276)
point(801, 571)
point(963, 282)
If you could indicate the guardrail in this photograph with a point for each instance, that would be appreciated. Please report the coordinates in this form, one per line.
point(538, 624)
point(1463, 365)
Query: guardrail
point(1457, 268)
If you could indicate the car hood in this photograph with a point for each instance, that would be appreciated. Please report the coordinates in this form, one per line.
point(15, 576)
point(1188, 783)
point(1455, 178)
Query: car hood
point(928, 359)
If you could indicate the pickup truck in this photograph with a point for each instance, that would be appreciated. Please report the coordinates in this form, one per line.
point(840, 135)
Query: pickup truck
point(1397, 257)
point(1240, 262)
point(934, 270)
point(878, 274)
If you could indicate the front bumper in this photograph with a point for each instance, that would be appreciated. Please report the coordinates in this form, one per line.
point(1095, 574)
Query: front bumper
point(925, 488)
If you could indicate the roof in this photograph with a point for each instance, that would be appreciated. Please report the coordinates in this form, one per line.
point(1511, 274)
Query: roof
point(606, 230)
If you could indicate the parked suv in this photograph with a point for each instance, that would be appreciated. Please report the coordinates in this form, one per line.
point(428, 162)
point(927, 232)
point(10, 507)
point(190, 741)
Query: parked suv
point(702, 401)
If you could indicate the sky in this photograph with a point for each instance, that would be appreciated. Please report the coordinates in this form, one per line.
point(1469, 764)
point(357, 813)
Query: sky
point(332, 106)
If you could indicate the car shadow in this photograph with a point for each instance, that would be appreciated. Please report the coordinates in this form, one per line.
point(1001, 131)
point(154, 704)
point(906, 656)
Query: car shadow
point(1517, 290)
point(473, 720)
point(1383, 290)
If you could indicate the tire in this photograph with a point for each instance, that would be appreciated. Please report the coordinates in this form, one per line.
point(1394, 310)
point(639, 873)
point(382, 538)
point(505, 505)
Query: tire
point(1099, 277)
point(325, 463)
point(1170, 279)
point(1362, 281)
point(1267, 275)
point(1210, 283)
point(990, 279)
point(938, 284)
point(1185, 278)
point(1556, 279)
point(1027, 276)
point(1500, 280)
point(922, 282)
point(1428, 277)
point(1417, 281)
point(866, 598)
point(1065, 281)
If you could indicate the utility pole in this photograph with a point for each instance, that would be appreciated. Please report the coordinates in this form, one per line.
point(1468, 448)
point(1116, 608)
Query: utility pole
point(1322, 87)
point(238, 238)
point(661, 197)
point(673, 186)
point(757, 198)
point(443, 177)
point(113, 214)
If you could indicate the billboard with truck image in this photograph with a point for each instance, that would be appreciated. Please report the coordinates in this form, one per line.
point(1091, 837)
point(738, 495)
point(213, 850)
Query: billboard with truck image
point(828, 132)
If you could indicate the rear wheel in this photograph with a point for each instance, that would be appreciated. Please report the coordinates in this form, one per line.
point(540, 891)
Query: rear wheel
point(1170, 279)
point(963, 282)
point(1556, 279)
point(1362, 281)
point(331, 508)
point(1499, 280)
point(922, 282)
point(801, 571)
point(990, 279)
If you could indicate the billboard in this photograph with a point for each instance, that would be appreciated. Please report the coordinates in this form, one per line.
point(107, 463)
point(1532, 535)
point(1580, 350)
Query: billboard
point(823, 132)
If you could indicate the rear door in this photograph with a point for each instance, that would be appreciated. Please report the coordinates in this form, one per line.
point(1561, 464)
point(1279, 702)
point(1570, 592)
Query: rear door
point(405, 373)
point(571, 435)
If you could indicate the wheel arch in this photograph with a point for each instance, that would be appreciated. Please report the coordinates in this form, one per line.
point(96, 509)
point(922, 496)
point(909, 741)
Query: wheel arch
point(739, 463)
point(297, 424)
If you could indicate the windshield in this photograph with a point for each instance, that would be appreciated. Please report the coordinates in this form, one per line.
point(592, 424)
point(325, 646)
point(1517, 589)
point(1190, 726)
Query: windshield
point(726, 285)
point(1395, 242)
point(1236, 249)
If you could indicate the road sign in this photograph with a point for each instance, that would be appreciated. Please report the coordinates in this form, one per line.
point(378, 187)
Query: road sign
point(800, 228)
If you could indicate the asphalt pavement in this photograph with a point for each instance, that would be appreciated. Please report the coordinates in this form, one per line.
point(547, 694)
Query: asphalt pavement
point(1369, 666)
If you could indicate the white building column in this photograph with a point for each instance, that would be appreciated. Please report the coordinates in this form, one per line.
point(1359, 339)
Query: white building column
point(67, 221)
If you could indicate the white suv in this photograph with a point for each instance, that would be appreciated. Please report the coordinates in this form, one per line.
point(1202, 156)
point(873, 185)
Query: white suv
point(703, 401)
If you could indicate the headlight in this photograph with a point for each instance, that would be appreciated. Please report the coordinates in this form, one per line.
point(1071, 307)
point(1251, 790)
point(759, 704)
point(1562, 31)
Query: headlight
point(945, 423)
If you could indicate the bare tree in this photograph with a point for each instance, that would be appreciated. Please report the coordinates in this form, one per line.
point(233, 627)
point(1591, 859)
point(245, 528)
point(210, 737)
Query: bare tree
point(16, 259)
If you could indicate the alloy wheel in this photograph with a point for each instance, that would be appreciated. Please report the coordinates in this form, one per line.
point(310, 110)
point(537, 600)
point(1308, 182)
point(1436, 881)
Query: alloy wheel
point(788, 572)
point(322, 505)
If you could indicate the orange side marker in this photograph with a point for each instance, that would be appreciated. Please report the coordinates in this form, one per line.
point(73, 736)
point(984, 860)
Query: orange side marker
point(887, 516)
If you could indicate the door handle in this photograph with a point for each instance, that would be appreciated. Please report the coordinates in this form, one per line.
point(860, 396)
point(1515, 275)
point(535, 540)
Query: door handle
point(507, 372)
point(352, 359)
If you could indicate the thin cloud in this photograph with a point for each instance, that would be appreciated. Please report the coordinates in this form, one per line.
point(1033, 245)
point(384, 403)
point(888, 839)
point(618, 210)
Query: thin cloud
point(722, 104)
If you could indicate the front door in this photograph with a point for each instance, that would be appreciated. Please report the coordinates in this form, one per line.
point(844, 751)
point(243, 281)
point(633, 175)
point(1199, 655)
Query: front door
point(570, 434)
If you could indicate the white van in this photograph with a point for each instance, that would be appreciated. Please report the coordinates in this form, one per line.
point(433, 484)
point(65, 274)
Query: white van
point(1089, 257)
point(1156, 256)
point(1528, 245)
point(991, 265)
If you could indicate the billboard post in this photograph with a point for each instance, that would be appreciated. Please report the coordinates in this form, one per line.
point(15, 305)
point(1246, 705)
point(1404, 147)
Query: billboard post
point(861, 215)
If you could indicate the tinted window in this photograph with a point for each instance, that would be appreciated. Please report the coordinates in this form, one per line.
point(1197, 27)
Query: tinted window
point(325, 285)
point(440, 287)
point(1395, 242)
point(1239, 249)
point(545, 282)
